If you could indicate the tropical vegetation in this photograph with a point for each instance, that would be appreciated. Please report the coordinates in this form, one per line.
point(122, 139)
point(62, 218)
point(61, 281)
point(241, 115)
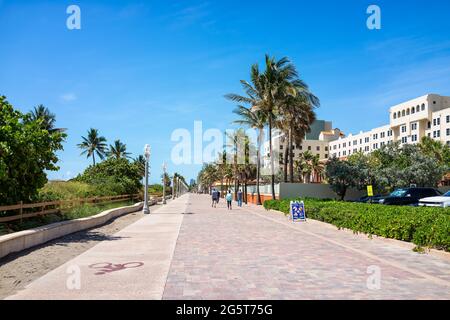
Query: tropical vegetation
point(425, 227)
point(28, 148)
point(390, 167)
point(275, 98)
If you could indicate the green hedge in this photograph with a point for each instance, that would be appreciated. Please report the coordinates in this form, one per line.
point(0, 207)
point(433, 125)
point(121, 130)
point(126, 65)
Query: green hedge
point(425, 227)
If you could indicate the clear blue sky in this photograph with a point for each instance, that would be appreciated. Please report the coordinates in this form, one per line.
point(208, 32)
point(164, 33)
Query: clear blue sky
point(137, 70)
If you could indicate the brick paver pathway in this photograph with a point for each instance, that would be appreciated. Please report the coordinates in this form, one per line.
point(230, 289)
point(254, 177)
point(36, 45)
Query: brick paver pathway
point(253, 254)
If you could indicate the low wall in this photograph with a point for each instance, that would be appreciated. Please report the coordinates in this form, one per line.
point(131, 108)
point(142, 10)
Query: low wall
point(22, 240)
point(319, 191)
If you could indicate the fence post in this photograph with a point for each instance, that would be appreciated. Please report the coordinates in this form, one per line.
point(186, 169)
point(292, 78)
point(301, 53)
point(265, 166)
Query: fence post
point(21, 211)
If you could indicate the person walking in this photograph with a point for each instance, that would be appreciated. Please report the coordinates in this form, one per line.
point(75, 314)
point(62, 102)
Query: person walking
point(215, 198)
point(239, 198)
point(229, 199)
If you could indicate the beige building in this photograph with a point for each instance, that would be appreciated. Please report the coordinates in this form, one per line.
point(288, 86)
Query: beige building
point(409, 122)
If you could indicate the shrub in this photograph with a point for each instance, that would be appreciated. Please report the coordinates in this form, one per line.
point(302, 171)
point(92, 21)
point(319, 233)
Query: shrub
point(429, 227)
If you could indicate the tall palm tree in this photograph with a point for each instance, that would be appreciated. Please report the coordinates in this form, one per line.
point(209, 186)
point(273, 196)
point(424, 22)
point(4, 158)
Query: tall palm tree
point(256, 120)
point(295, 119)
point(266, 92)
point(93, 144)
point(47, 118)
point(118, 150)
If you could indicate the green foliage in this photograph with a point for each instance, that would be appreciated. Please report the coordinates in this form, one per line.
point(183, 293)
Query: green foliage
point(27, 150)
point(113, 177)
point(425, 227)
point(341, 175)
point(54, 191)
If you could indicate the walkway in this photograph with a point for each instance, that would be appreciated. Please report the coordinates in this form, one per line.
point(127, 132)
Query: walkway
point(145, 250)
point(247, 253)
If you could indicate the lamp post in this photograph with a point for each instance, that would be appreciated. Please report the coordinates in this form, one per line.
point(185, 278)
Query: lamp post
point(164, 182)
point(147, 152)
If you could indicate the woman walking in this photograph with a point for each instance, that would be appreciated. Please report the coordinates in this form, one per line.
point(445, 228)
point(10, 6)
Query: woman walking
point(229, 199)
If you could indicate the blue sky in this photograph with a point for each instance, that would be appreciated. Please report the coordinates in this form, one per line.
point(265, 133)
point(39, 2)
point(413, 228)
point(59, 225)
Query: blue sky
point(137, 70)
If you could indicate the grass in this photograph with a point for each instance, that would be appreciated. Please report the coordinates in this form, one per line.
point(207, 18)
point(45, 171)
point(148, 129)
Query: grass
point(84, 211)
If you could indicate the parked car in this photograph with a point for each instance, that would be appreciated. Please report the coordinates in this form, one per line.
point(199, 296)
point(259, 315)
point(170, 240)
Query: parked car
point(442, 201)
point(409, 196)
point(374, 199)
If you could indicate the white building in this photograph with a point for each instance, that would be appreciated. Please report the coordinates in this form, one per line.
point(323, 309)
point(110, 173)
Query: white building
point(409, 123)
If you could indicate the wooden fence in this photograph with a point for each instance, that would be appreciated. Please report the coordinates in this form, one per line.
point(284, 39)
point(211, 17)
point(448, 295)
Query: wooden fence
point(25, 211)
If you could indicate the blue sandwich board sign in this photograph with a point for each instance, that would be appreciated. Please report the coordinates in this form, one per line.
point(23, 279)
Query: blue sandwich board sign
point(298, 211)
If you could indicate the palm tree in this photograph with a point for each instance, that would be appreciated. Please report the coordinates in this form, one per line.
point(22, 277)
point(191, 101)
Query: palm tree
point(118, 150)
point(140, 162)
point(266, 92)
point(93, 144)
point(317, 168)
point(256, 120)
point(295, 119)
point(46, 118)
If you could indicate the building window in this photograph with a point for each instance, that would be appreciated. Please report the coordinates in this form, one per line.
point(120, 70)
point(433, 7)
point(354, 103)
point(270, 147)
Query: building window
point(326, 156)
point(375, 136)
point(407, 112)
point(418, 109)
point(404, 140)
point(429, 125)
point(382, 144)
point(414, 126)
point(399, 114)
point(326, 148)
point(448, 132)
point(375, 146)
point(403, 129)
point(334, 147)
point(413, 110)
point(383, 135)
point(345, 145)
point(423, 107)
point(448, 119)
point(318, 148)
point(309, 148)
point(395, 115)
point(355, 142)
point(390, 133)
point(414, 138)
point(403, 113)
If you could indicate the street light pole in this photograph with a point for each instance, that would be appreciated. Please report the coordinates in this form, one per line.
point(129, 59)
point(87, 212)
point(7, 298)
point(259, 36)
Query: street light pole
point(147, 152)
point(164, 182)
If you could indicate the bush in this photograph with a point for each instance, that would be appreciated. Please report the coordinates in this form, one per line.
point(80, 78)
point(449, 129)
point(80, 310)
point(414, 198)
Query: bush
point(429, 227)
point(113, 177)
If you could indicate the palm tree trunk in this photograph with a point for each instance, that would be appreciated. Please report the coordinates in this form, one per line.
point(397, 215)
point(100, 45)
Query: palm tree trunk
point(285, 162)
point(291, 157)
point(245, 191)
point(272, 163)
point(258, 167)
point(93, 158)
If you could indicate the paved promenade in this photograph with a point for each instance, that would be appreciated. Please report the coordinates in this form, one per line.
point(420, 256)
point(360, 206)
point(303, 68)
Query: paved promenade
point(139, 255)
point(188, 250)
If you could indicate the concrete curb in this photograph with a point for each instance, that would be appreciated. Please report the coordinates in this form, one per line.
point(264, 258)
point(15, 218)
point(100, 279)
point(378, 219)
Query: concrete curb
point(22, 240)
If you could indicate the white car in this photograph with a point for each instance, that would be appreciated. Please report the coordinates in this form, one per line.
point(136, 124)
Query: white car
point(442, 201)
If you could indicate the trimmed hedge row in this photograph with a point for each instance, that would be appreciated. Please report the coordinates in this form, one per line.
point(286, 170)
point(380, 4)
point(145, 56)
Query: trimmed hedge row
point(425, 227)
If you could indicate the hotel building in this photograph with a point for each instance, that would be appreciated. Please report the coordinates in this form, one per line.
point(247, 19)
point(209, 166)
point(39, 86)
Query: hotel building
point(410, 121)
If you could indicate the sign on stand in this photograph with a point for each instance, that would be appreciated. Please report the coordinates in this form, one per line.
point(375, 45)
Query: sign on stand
point(298, 212)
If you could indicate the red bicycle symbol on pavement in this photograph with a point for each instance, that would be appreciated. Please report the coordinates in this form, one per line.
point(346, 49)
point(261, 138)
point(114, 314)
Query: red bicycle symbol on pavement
point(105, 268)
